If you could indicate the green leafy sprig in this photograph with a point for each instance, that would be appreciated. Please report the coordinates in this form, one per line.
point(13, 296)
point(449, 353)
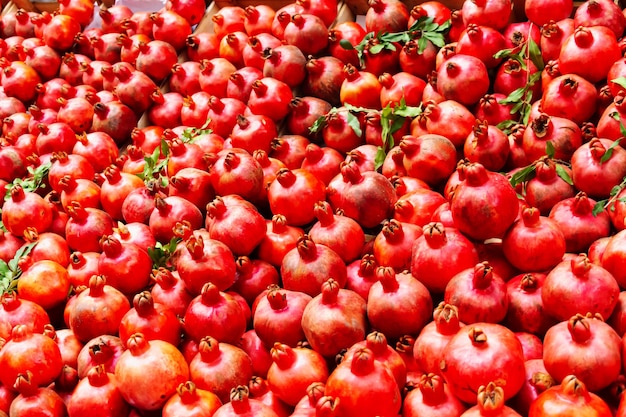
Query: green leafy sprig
point(11, 271)
point(351, 118)
point(424, 29)
point(191, 134)
point(528, 173)
point(391, 119)
point(522, 98)
point(609, 203)
point(33, 181)
point(156, 165)
point(161, 253)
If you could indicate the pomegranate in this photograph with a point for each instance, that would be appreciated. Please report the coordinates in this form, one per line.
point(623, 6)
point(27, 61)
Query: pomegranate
point(571, 395)
point(293, 370)
point(334, 319)
point(583, 335)
point(398, 304)
point(157, 355)
point(218, 367)
point(485, 341)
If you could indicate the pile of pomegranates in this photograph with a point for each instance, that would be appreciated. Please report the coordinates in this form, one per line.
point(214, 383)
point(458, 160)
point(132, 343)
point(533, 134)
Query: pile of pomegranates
point(249, 211)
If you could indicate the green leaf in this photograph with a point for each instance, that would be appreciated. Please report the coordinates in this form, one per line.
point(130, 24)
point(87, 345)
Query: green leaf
point(345, 44)
point(160, 254)
point(34, 180)
point(388, 38)
point(563, 174)
point(609, 152)
point(616, 190)
point(379, 158)
point(622, 129)
point(621, 81)
point(10, 272)
point(550, 149)
point(523, 175)
point(599, 207)
point(503, 54)
point(506, 125)
point(4, 267)
point(534, 54)
point(422, 44)
point(355, 124)
point(515, 96)
point(355, 109)
point(318, 125)
point(375, 49)
point(408, 111)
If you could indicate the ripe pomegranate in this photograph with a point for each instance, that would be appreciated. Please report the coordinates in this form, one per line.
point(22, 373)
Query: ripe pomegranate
point(308, 265)
point(398, 304)
point(472, 351)
point(463, 78)
point(524, 242)
point(160, 357)
point(588, 335)
point(218, 367)
point(352, 383)
point(571, 395)
point(335, 319)
point(484, 204)
point(293, 370)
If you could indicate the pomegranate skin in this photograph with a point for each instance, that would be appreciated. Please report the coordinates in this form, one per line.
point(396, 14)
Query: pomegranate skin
point(484, 204)
point(487, 352)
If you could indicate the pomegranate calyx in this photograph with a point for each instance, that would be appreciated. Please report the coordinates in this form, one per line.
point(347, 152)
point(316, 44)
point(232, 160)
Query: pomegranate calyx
point(368, 266)
point(490, 397)
point(579, 328)
point(531, 217)
point(483, 275)
point(283, 355)
point(307, 249)
point(581, 265)
point(330, 291)
point(144, 304)
point(137, 344)
point(387, 277)
point(542, 381)
point(377, 343)
point(446, 317)
point(209, 349)
point(432, 388)
point(477, 336)
point(362, 362)
point(277, 298)
point(573, 387)
point(210, 294)
point(25, 385)
point(187, 392)
point(435, 234)
point(98, 376)
point(96, 285)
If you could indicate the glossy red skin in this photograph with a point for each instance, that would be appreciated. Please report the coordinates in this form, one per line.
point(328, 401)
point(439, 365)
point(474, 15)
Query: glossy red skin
point(590, 336)
point(501, 357)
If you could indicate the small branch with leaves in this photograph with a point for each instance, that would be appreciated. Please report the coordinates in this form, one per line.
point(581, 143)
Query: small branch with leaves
point(161, 253)
point(614, 197)
point(522, 98)
point(392, 118)
point(423, 30)
point(155, 167)
point(11, 271)
point(33, 181)
point(527, 173)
